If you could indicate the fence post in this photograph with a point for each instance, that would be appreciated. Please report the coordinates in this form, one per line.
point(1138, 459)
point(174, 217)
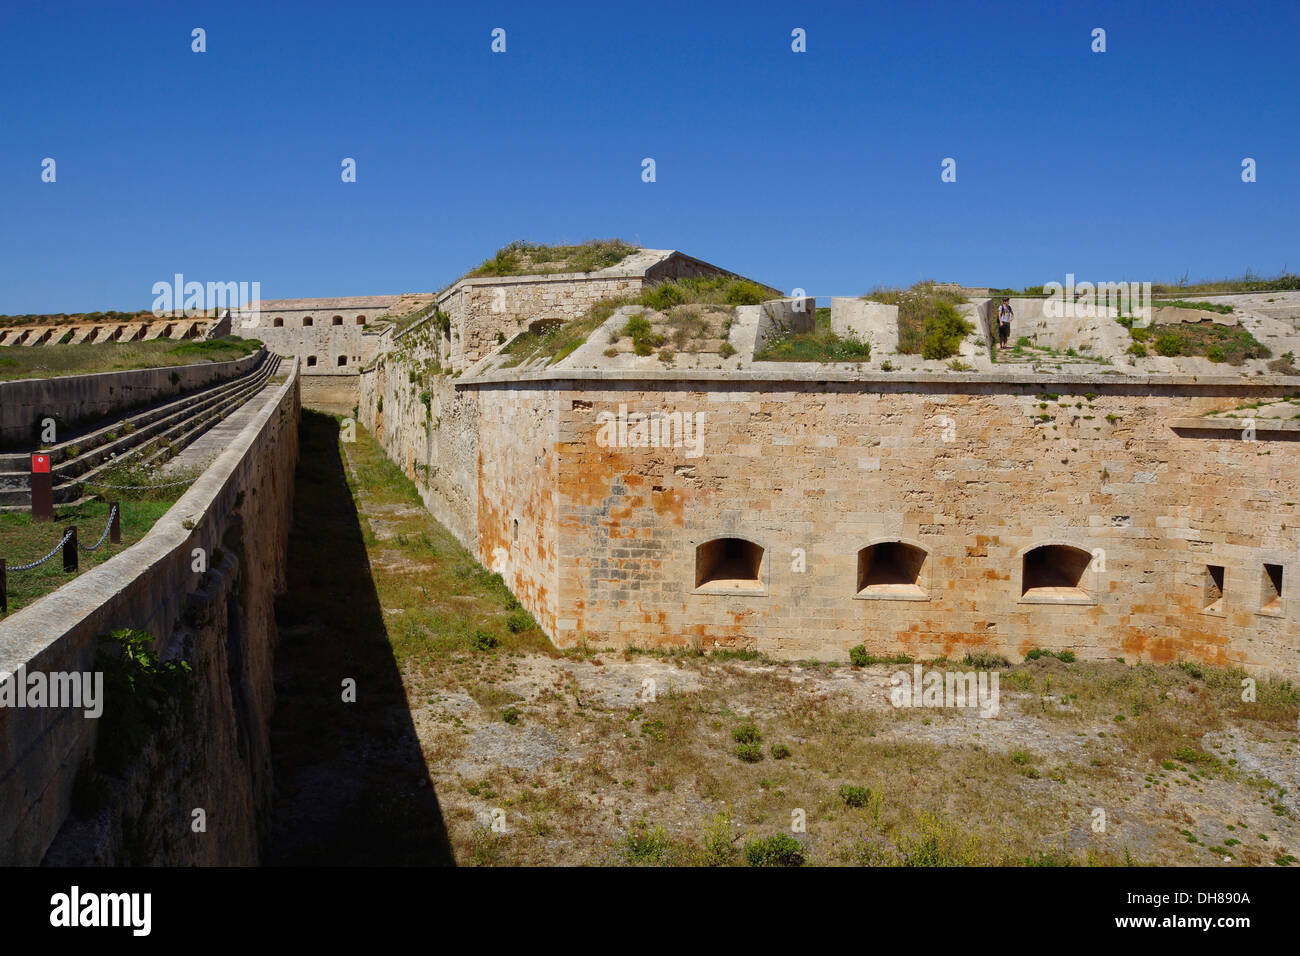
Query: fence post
point(115, 525)
point(42, 485)
point(70, 550)
point(4, 589)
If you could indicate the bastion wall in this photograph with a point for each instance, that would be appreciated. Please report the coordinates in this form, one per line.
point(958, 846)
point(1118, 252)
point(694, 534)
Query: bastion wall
point(975, 473)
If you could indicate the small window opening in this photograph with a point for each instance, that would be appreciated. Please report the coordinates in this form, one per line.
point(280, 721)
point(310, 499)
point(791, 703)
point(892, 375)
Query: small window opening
point(1055, 572)
point(1213, 587)
point(891, 569)
point(729, 563)
point(1271, 600)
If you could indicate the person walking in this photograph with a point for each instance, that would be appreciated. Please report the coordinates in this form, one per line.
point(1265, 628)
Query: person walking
point(1004, 322)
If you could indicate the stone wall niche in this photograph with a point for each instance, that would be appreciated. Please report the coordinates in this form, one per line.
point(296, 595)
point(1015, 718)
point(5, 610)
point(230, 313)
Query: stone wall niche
point(892, 571)
point(1270, 600)
point(1055, 574)
point(729, 564)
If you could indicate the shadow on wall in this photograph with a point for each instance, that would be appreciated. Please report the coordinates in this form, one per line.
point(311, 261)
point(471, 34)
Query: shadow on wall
point(352, 786)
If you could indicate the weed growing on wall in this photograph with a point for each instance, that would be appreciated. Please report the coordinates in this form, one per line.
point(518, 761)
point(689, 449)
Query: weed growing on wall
point(532, 258)
point(139, 689)
point(929, 324)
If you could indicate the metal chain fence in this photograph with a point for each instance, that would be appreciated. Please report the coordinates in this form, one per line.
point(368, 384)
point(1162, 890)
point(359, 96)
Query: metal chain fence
point(112, 512)
point(36, 564)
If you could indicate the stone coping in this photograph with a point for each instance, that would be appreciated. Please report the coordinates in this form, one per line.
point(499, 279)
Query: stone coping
point(631, 266)
point(538, 278)
point(634, 266)
point(26, 633)
point(346, 303)
point(792, 373)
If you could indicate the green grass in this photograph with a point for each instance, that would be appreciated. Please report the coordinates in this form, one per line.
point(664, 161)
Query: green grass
point(644, 339)
point(929, 324)
point(49, 361)
point(333, 622)
point(531, 258)
point(1250, 282)
point(23, 541)
point(704, 290)
point(403, 322)
point(559, 341)
point(453, 604)
point(136, 481)
point(1202, 306)
point(1029, 292)
point(1219, 343)
point(819, 345)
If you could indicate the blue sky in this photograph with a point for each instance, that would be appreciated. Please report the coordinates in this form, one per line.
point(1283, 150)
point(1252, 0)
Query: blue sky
point(817, 170)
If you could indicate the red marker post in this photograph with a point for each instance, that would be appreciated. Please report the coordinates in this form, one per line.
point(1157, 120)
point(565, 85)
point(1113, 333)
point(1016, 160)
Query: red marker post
point(42, 484)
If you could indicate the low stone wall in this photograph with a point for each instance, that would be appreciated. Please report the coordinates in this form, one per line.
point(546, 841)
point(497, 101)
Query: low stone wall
point(214, 754)
point(70, 399)
point(331, 393)
point(872, 322)
point(482, 309)
point(782, 317)
point(485, 310)
point(1173, 314)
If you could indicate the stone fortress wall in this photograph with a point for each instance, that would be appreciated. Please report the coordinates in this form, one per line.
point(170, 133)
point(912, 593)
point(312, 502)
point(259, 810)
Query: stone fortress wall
point(26, 402)
point(213, 752)
point(926, 512)
point(965, 504)
point(603, 544)
point(486, 311)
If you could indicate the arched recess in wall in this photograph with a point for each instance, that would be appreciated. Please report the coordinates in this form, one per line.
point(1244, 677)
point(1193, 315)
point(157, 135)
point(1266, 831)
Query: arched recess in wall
point(306, 322)
point(361, 320)
point(277, 323)
point(730, 564)
point(893, 569)
point(343, 360)
point(337, 320)
point(1056, 574)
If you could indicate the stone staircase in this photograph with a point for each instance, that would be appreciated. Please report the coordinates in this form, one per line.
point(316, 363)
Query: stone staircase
point(147, 437)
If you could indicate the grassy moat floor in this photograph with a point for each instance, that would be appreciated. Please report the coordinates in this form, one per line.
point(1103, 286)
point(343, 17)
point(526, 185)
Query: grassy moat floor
point(1085, 764)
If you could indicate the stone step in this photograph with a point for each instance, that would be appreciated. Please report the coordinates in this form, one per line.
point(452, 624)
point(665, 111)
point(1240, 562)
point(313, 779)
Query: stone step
point(184, 420)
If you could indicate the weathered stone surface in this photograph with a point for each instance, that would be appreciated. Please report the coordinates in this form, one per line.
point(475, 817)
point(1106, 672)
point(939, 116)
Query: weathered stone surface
point(217, 756)
point(73, 398)
point(831, 463)
point(978, 470)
